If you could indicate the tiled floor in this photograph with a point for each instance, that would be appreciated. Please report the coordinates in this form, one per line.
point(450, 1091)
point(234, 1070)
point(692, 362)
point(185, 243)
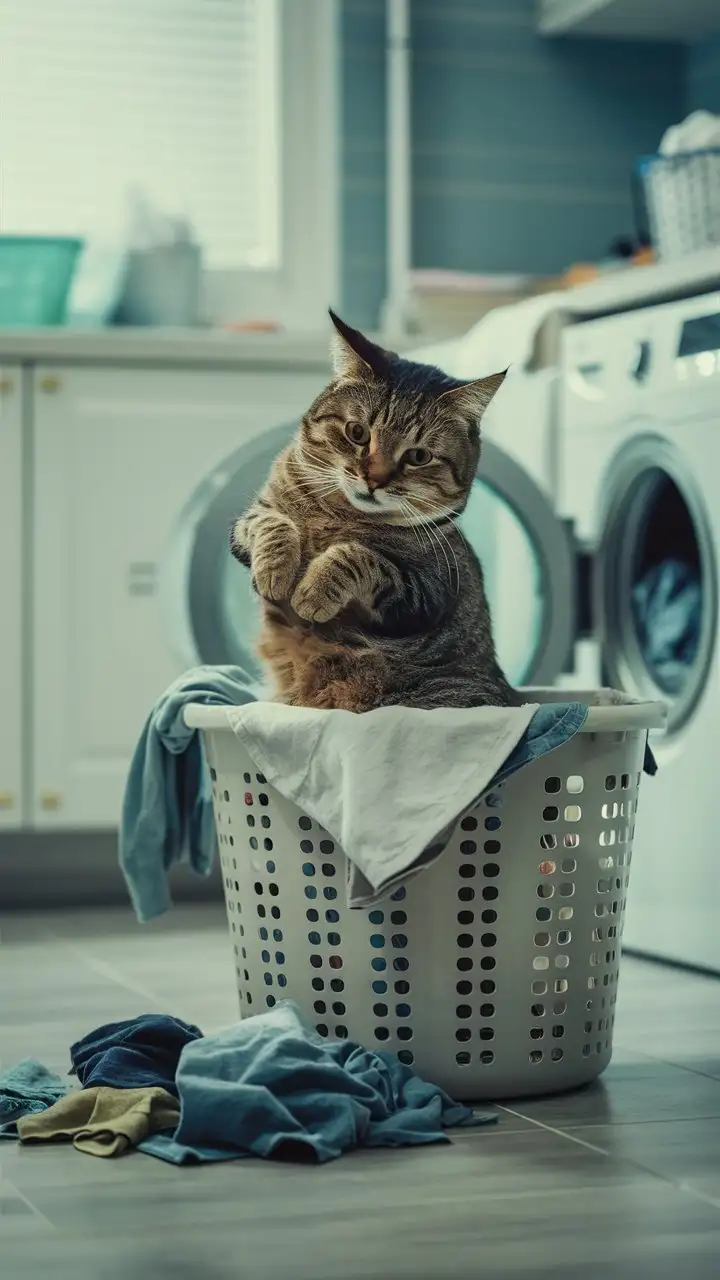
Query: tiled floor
point(620, 1179)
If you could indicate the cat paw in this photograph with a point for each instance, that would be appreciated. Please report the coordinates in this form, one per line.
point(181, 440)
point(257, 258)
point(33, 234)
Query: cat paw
point(272, 581)
point(322, 593)
point(275, 567)
point(310, 602)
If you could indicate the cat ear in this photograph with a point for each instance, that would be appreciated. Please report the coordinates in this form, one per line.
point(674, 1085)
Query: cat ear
point(354, 355)
point(471, 399)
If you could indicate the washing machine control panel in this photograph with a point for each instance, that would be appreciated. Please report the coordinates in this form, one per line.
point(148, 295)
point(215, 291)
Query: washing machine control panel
point(622, 364)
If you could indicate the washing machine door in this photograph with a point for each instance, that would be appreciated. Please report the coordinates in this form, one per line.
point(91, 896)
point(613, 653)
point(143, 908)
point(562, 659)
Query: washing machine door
point(655, 576)
point(526, 553)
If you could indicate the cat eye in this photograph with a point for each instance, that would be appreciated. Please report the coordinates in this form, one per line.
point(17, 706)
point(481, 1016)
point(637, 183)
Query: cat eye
point(418, 457)
point(357, 432)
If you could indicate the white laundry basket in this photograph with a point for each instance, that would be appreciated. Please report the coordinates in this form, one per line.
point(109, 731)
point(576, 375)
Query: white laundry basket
point(495, 971)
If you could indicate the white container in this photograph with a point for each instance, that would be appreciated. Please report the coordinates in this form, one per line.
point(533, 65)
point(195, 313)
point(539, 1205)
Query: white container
point(683, 197)
point(495, 971)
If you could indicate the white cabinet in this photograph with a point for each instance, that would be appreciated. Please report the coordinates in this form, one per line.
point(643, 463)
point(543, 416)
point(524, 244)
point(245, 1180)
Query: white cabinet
point(118, 452)
point(11, 597)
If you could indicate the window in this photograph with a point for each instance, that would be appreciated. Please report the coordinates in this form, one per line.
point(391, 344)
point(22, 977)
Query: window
point(190, 106)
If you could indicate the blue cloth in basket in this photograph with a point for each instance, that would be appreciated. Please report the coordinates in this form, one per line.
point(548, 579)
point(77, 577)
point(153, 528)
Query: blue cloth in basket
point(167, 814)
point(141, 1052)
point(26, 1089)
point(271, 1086)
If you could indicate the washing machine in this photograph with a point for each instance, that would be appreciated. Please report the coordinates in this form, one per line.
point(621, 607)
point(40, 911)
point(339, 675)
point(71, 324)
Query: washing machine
point(528, 559)
point(640, 486)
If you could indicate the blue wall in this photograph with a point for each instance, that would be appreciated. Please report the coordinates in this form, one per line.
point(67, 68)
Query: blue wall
point(522, 147)
point(703, 75)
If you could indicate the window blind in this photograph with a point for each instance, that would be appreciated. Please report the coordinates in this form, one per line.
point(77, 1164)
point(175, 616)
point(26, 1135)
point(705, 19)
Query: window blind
point(177, 99)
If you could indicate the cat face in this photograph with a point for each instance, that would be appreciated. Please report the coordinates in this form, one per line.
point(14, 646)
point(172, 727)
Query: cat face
point(394, 439)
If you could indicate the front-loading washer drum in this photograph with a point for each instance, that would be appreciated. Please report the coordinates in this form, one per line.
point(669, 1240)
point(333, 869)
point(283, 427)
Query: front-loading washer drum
point(655, 585)
point(527, 556)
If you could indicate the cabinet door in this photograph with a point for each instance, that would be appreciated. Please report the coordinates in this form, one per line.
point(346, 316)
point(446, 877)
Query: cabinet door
point(117, 454)
point(11, 598)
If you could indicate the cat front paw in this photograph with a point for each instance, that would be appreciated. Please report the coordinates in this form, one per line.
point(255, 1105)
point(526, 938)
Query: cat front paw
point(323, 592)
point(275, 565)
point(273, 581)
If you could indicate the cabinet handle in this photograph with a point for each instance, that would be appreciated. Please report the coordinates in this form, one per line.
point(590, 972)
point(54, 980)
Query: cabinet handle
point(50, 383)
point(7, 386)
point(50, 800)
point(7, 800)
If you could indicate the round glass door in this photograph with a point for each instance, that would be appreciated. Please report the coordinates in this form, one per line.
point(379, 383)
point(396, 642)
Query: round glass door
point(526, 557)
point(657, 598)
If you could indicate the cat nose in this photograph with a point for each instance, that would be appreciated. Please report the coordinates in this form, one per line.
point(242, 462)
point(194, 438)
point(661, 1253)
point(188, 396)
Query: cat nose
point(377, 472)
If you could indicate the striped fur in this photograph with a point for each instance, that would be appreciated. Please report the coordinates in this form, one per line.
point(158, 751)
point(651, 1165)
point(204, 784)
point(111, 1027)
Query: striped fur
point(371, 594)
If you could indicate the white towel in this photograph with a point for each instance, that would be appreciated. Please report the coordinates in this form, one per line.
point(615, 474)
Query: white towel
point(388, 785)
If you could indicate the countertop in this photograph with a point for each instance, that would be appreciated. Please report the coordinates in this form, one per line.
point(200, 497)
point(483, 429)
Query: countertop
point(149, 346)
point(617, 291)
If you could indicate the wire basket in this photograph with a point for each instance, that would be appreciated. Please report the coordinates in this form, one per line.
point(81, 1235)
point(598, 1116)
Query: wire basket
point(683, 200)
point(495, 971)
point(35, 276)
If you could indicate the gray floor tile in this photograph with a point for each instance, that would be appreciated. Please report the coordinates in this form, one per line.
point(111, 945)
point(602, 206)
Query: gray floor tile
point(684, 1151)
point(663, 1093)
point(617, 1178)
point(627, 1231)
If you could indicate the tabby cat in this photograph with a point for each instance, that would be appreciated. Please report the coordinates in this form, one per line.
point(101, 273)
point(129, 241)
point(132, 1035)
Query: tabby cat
point(371, 595)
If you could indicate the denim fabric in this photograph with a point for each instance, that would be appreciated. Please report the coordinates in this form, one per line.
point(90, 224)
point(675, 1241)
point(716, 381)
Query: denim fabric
point(142, 1052)
point(25, 1090)
point(271, 1086)
point(167, 812)
point(552, 725)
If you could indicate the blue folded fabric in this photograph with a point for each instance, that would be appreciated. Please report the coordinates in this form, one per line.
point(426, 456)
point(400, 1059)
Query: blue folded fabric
point(141, 1052)
point(26, 1089)
point(667, 608)
point(553, 724)
point(167, 812)
point(271, 1086)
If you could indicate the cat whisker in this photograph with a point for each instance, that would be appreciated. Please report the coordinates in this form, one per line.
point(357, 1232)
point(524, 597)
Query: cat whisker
point(432, 534)
point(419, 525)
point(405, 509)
point(317, 488)
point(439, 539)
point(441, 533)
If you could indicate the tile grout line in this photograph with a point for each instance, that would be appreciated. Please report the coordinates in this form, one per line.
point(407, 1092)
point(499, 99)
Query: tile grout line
point(680, 1185)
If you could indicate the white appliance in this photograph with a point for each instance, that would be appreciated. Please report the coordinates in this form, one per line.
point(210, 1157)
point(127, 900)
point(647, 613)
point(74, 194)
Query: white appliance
point(640, 481)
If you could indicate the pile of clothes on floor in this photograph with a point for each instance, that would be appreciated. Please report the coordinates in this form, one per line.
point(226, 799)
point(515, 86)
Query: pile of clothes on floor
point(268, 1086)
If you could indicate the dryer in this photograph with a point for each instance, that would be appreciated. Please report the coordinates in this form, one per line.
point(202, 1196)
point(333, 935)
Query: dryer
point(640, 483)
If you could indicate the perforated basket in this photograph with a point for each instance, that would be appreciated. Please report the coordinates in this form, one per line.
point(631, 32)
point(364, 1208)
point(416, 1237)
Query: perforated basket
point(495, 971)
point(683, 199)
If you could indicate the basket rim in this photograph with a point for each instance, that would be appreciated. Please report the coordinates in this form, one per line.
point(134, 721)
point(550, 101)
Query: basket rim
point(643, 163)
point(626, 717)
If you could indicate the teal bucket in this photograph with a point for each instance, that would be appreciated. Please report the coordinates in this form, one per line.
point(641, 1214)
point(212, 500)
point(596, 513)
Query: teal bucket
point(35, 277)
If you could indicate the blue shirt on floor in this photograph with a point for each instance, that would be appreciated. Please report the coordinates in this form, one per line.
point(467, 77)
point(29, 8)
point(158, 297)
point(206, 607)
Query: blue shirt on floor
point(140, 1053)
point(271, 1086)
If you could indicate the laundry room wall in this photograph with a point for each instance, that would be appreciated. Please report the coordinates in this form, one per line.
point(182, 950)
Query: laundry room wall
point(703, 75)
point(522, 146)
